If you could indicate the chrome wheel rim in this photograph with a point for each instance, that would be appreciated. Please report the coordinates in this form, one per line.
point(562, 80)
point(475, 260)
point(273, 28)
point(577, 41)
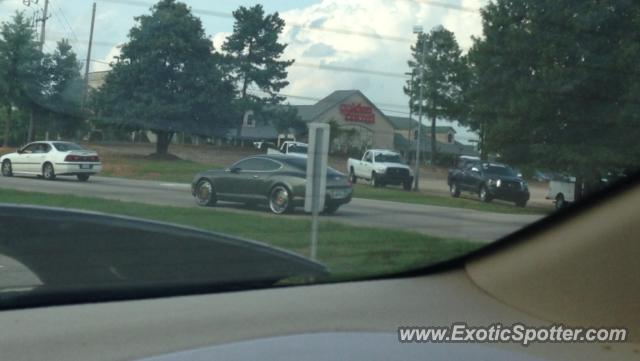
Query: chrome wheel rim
point(453, 189)
point(203, 195)
point(48, 171)
point(279, 200)
point(6, 168)
point(483, 194)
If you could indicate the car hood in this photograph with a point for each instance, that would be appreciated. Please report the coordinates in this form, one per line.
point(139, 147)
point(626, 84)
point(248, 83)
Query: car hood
point(392, 165)
point(79, 255)
point(505, 178)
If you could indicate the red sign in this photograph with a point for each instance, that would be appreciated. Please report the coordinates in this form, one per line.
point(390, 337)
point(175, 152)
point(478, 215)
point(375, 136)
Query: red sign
point(357, 113)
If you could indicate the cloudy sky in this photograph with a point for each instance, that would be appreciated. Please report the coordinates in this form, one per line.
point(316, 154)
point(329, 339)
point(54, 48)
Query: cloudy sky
point(337, 44)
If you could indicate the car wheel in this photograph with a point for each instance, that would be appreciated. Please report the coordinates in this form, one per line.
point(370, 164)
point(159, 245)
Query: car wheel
point(330, 209)
point(279, 199)
point(454, 189)
point(521, 204)
point(83, 177)
point(6, 168)
point(560, 201)
point(47, 172)
point(374, 180)
point(352, 176)
point(484, 195)
point(205, 194)
point(407, 185)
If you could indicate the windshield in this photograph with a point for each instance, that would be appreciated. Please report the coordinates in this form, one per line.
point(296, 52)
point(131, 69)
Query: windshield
point(500, 170)
point(298, 149)
point(65, 147)
point(168, 94)
point(388, 158)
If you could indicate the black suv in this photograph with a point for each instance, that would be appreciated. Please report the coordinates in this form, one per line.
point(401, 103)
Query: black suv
point(489, 181)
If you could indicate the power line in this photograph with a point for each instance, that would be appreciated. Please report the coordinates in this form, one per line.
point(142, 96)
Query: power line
point(348, 69)
point(446, 5)
point(317, 27)
point(66, 21)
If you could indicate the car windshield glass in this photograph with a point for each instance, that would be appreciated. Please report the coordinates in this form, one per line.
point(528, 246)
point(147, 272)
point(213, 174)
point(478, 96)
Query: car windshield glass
point(403, 98)
point(65, 147)
point(500, 170)
point(301, 164)
point(388, 158)
point(298, 149)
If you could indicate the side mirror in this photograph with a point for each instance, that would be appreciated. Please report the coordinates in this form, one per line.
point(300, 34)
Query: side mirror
point(235, 170)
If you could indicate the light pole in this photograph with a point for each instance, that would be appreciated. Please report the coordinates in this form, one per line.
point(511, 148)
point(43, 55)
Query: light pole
point(412, 74)
point(418, 30)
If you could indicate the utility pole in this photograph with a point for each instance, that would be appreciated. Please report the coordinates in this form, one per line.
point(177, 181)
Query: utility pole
point(412, 73)
point(88, 63)
point(45, 17)
point(418, 30)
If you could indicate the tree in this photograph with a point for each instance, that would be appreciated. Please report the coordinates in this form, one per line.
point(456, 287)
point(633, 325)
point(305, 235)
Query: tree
point(557, 83)
point(20, 69)
point(442, 81)
point(253, 51)
point(167, 79)
point(63, 90)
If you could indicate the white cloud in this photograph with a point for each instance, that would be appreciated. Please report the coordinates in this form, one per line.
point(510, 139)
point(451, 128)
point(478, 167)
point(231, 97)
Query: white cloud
point(311, 40)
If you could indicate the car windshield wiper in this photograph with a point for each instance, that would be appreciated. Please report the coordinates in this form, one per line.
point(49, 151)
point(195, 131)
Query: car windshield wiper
point(86, 257)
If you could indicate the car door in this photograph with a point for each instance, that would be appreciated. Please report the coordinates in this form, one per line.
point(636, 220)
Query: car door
point(236, 184)
point(256, 173)
point(22, 161)
point(366, 166)
point(469, 174)
point(38, 157)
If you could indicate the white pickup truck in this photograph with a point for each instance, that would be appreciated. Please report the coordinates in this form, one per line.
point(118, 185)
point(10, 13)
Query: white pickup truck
point(381, 167)
point(295, 149)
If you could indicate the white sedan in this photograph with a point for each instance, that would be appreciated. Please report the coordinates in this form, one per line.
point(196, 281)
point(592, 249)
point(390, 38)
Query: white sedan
point(50, 159)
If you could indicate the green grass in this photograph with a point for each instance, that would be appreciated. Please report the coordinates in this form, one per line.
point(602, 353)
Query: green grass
point(399, 195)
point(349, 251)
point(140, 167)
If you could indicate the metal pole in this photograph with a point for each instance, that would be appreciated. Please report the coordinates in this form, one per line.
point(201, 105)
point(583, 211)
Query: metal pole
point(417, 171)
point(410, 105)
point(88, 63)
point(31, 131)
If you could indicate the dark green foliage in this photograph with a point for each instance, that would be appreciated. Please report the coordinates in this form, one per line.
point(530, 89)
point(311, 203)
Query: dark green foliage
point(253, 54)
point(168, 79)
point(556, 83)
point(21, 76)
point(444, 74)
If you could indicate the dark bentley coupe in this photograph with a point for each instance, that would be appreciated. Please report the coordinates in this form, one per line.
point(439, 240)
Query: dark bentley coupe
point(277, 181)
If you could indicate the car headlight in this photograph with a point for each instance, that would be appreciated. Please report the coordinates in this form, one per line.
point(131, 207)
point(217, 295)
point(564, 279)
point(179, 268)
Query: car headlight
point(524, 185)
point(381, 170)
point(498, 183)
point(493, 182)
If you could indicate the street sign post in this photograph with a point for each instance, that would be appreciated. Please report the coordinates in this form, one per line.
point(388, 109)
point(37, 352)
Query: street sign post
point(317, 154)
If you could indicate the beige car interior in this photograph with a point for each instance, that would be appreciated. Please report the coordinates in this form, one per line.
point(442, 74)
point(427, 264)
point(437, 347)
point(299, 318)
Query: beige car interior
point(583, 272)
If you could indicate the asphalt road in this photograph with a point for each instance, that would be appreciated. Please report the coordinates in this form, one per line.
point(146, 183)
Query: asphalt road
point(437, 221)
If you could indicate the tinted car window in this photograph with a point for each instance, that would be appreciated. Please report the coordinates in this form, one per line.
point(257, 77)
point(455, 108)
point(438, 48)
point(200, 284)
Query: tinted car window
point(294, 148)
point(301, 164)
point(65, 147)
point(499, 170)
point(251, 164)
point(390, 158)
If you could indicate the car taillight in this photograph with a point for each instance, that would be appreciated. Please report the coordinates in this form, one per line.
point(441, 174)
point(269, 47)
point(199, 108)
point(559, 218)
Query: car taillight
point(71, 158)
point(95, 158)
